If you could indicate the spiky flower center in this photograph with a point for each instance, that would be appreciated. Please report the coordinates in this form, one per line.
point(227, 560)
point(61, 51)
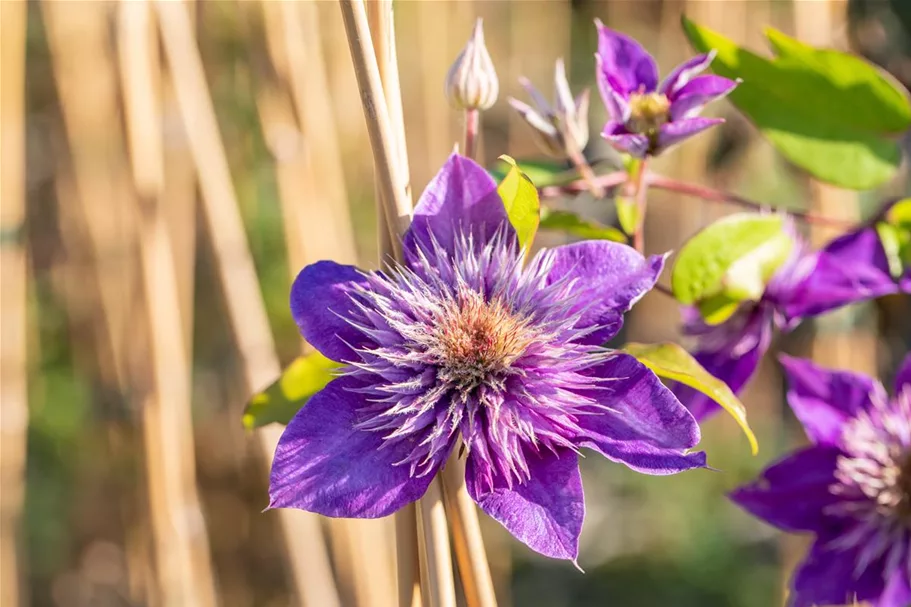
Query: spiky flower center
point(876, 467)
point(478, 341)
point(647, 112)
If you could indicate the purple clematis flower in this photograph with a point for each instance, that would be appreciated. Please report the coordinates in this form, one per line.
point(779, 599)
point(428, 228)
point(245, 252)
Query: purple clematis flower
point(851, 488)
point(646, 117)
point(463, 342)
point(848, 270)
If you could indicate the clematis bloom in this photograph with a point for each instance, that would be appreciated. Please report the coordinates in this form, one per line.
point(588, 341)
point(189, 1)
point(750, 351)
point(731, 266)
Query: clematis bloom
point(465, 342)
point(851, 488)
point(647, 117)
point(809, 283)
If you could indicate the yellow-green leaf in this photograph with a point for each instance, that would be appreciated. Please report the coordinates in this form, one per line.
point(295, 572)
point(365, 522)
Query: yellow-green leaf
point(571, 223)
point(278, 403)
point(671, 361)
point(520, 197)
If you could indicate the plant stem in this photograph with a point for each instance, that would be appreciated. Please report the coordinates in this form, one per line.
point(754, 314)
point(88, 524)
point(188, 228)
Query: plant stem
point(585, 170)
point(472, 123)
point(639, 192)
point(608, 180)
point(706, 193)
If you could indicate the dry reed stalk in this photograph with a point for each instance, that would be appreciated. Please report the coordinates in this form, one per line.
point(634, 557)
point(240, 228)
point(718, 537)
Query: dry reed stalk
point(182, 547)
point(13, 300)
point(365, 576)
point(246, 310)
point(433, 538)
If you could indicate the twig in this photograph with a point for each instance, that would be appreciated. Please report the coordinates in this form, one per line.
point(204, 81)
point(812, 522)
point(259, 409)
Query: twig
point(472, 122)
point(13, 301)
point(705, 193)
point(606, 181)
point(466, 532)
point(585, 170)
point(438, 586)
point(182, 543)
point(640, 193)
point(379, 127)
point(245, 306)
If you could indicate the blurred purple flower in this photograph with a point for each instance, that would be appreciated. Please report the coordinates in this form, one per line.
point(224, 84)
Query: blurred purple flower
point(851, 488)
point(462, 341)
point(646, 117)
point(848, 270)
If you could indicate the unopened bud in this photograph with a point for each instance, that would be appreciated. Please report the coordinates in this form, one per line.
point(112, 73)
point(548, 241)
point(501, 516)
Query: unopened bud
point(471, 83)
point(560, 130)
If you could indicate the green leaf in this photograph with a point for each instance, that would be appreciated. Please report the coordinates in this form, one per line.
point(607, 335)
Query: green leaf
point(627, 214)
point(520, 196)
point(900, 213)
point(827, 112)
point(303, 378)
point(891, 238)
point(670, 361)
point(735, 257)
point(571, 223)
point(542, 172)
point(718, 308)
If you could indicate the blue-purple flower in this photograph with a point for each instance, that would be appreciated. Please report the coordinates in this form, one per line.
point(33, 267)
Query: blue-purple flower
point(647, 117)
point(847, 270)
point(465, 344)
point(851, 488)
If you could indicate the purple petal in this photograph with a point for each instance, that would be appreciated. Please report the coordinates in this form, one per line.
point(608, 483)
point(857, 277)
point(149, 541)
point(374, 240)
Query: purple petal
point(696, 94)
point(629, 143)
point(685, 72)
point(546, 511)
point(639, 422)
point(731, 352)
point(462, 197)
point(849, 269)
point(828, 576)
point(672, 133)
point(617, 104)
point(903, 377)
point(320, 300)
point(609, 278)
point(898, 590)
point(623, 60)
point(793, 493)
point(324, 464)
point(823, 399)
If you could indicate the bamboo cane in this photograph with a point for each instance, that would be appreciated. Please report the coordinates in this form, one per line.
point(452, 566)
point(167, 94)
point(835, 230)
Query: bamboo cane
point(246, 309)
point(13, 294)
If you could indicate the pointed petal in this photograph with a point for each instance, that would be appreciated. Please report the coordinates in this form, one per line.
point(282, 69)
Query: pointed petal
point(903, 377)
point(536, 97)
point(625, 62)
point(634, 145)
point(639, 422)
point(617, 103)
point(793, 493)
point(849, 269)
point(823, 399)
point(731, 352)
point(609, 277)
point(320, 301)
point(461, 197)
point(564, 102)
point(324, 465)
point(674, 132)
point(546, 511)
point(828, 576)
point(685, 72)
point(699, 92)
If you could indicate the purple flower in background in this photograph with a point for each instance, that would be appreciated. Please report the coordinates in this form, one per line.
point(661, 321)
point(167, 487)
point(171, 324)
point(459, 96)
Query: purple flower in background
point(464, 342)
point(851, 488)
point(647, 117)
point(847, 270)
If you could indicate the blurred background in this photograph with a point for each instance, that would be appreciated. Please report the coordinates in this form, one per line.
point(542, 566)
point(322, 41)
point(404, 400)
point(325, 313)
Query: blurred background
point(167, 169)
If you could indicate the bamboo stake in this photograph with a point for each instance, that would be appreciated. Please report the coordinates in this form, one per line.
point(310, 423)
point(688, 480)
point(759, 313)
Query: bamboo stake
point(382, 28)
point(246, 309)
point(13, 300)
point(437, 584)
point(182, 547)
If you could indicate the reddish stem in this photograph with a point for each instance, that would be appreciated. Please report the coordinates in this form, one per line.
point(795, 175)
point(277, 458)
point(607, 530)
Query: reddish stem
point(472, 122)
point(640, 187)
point(691, 189)
point(608, 180)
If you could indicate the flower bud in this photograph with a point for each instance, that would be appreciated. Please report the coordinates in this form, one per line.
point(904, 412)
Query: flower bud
point(471, 83)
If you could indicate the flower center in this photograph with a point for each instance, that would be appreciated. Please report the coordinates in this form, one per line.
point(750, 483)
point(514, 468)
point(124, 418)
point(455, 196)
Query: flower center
point(876, 467)
point(647, 112)
point(478, 340)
